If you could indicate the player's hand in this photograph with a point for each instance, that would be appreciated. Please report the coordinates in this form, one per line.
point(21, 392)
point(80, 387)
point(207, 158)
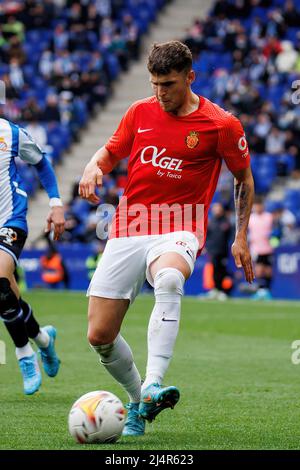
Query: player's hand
point(240, 252)
point(91, 179)
point(57, 219)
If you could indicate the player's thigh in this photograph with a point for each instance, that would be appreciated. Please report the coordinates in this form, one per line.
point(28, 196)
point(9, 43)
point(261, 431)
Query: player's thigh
point(12, 241)
point(170, 260)
point(121, 270)
point(7, 269)
point(105, 318)
point(7, 265)
point(177, 250)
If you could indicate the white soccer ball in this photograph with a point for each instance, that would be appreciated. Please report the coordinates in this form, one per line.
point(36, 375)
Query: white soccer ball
point(97, 417)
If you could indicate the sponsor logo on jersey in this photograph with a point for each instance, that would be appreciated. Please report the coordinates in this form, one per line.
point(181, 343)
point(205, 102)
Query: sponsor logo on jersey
point(151, 154)
point(8, 236)
point(3, 144)
point(242, 145)
point(192, 140)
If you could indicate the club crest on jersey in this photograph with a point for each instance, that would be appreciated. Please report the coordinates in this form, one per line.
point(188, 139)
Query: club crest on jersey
point(192, 140)
point(8, 235)
point(3, 144)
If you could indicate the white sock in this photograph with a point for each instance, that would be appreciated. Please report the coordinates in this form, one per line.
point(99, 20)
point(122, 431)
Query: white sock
point(25, 351)
point(164, 323)
point(42, 339)
point(117, 358)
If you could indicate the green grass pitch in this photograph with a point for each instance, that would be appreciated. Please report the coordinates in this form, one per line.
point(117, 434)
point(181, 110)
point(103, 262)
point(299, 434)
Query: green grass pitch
point(232, 363)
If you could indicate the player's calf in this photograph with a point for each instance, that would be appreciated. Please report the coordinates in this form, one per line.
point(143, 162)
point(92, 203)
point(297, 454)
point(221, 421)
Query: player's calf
point(12, 315)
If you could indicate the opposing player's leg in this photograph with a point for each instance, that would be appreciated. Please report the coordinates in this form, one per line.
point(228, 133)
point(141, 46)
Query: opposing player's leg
point(12, 315)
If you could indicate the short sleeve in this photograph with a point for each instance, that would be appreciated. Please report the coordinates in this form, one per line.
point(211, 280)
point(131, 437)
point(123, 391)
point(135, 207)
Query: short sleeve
point(29, 151)
point(120, 143)
point(232, 145)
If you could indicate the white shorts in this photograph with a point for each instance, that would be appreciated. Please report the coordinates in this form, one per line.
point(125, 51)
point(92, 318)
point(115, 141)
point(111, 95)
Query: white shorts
point(124, 265)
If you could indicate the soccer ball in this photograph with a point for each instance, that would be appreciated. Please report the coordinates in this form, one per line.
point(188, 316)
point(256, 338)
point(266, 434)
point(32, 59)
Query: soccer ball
point(97, 417)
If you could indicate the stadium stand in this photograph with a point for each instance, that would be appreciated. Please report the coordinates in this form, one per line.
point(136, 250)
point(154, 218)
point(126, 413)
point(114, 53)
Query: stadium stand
point(59, 59)
point(246, 55)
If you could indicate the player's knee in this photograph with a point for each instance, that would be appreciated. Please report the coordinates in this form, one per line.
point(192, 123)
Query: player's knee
point(9, 304)
point(169, 281)
point(98, 337)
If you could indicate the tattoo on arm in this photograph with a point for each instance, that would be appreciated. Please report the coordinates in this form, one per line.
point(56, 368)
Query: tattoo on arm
point(243, 203)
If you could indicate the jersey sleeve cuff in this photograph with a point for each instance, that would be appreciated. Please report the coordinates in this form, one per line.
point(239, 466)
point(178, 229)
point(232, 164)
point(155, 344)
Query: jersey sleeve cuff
point(55, 202)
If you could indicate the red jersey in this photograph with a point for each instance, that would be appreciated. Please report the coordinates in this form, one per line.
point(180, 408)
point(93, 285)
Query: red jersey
point(174, 162)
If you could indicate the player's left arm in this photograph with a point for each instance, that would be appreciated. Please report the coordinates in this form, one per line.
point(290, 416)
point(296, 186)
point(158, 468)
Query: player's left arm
point(243, 198)
point(234, 149)
point(31, 153)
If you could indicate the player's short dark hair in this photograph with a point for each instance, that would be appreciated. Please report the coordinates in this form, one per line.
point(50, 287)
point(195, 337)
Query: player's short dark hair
point(168, 56)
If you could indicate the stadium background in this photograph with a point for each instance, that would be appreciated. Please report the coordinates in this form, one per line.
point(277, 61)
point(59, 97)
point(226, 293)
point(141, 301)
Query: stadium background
point(65, 65)
point(70, 69)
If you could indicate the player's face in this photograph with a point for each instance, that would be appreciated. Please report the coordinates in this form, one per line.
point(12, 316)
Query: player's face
point(171, 90)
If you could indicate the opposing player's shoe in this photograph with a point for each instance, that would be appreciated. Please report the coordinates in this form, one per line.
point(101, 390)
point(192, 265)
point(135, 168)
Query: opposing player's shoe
point(32, 377)
point(156, 398)
point(134, 425)
point(49, 357)
point(262, 294)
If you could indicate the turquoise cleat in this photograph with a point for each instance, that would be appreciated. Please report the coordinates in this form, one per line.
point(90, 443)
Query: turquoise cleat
point(134, 425)
point(31, 373)
point(48, 355)
point(156, 398)
point(262, 294)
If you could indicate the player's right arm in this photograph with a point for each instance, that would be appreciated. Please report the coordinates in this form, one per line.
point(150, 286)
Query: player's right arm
point(106, 158)
point(101, 163)
point(31, 153)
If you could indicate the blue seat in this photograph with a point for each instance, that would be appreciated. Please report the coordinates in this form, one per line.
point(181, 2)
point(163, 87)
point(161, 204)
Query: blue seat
point(261, 12)
point(113, 66)
point(292, 34)
point(287, 160)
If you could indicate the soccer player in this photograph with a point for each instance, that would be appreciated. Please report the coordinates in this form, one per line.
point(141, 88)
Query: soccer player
point(175, 141)
point(14, 311)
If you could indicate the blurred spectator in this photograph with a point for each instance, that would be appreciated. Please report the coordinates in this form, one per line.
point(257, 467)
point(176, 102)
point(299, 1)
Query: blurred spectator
point(260, 230)
point(217, 245)
point(291, 15)
point(31, 110)
point(54, 273)
point(16, 74)
point(51, 111)
point(93, 260)
point(286, 59)
point(284, 226)
point(13, 27)
point(275, 142)
point(38, 133)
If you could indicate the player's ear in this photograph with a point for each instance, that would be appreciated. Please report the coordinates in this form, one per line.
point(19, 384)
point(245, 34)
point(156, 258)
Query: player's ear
point(190, 78)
